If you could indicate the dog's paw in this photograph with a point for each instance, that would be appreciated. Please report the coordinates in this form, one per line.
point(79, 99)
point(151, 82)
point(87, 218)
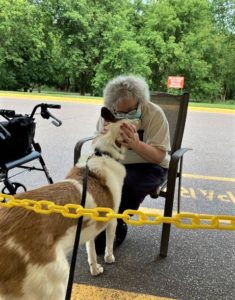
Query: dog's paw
point(109, 259)
point(96, 269)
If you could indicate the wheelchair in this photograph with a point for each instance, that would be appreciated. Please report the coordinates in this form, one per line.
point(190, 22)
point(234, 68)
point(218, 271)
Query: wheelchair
point(18, 147)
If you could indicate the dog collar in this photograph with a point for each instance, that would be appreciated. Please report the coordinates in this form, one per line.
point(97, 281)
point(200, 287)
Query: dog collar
point(98, 152)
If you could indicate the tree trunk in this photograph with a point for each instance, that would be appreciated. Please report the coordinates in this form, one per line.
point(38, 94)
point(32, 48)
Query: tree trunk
point(82, 84)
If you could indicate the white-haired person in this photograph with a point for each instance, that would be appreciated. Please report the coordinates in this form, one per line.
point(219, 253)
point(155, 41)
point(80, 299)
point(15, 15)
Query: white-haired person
point(147, 159)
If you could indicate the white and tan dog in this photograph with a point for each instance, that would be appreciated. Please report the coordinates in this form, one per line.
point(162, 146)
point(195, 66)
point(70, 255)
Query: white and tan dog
point(33, 247)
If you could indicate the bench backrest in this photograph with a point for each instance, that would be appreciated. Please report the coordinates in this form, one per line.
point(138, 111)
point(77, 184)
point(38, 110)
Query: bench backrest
point(175, 108)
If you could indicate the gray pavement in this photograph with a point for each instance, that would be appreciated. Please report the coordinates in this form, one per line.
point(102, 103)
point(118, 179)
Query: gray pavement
point(200, 263)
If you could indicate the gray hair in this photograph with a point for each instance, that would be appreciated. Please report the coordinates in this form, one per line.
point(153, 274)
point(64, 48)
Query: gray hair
point(126, 87)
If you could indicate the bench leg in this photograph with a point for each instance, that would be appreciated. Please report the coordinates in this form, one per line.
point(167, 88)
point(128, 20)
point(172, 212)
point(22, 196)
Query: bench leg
point(165, 240)
point(166, 228)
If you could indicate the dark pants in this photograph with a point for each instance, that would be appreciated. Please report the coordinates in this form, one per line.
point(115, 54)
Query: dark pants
point(140, 180)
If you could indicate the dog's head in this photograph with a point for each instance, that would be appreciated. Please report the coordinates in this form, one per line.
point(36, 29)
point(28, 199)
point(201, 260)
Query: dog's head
point(110, 142)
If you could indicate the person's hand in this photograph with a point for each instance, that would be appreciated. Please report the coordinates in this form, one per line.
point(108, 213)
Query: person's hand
point(130, 137)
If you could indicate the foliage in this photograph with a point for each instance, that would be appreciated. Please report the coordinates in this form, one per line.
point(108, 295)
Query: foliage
point(79, 45)
point(25, 46)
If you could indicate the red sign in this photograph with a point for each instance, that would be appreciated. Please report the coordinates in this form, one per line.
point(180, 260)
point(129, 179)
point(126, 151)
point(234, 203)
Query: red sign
point(176, 82)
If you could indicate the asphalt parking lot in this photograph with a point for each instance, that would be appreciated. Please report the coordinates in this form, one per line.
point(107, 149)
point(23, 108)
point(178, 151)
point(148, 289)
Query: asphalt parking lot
point(200, 263)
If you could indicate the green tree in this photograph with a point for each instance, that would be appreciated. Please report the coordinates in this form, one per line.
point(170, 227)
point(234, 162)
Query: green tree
point(224, 23)
point(26, 46)
point(224, 15)
point(179, 37)
point(97, 42)
point(79, 45)
point(120, 53)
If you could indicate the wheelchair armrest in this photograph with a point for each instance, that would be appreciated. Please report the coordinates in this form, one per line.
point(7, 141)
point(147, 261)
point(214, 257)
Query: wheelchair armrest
point(78, 147)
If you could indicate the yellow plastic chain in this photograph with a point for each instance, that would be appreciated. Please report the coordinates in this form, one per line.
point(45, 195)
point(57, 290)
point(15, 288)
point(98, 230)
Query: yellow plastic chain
point(103, 214)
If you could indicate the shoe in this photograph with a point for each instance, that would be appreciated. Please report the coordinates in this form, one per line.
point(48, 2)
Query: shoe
point(100, 240)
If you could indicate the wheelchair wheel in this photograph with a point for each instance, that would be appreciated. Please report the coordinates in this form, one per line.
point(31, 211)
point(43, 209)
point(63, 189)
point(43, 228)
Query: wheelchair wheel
point(13, 188)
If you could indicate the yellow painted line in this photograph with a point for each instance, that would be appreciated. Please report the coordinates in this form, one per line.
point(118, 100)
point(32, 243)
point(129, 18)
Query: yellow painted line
point(53, 98)
point(151, 210)
point(88, 292)
point(212, 110)
point(78, 99)
point(203, 177)
point(160, 212)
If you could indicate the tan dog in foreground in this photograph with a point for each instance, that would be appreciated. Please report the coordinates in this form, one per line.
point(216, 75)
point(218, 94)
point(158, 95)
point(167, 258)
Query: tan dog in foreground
point(33, 247)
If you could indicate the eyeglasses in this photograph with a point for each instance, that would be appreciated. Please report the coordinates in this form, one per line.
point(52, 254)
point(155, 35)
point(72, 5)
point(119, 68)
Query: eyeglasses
point(133, 114)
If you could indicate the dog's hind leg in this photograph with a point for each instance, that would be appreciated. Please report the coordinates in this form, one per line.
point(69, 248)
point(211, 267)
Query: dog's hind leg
point(96, 269)
point(110, 235)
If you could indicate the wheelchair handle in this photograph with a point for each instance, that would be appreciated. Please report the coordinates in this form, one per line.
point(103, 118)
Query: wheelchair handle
point(56, 121)
point(56, 106)
point(46, 114)
point(5, 134)
point(44, 107)
point(7, 113)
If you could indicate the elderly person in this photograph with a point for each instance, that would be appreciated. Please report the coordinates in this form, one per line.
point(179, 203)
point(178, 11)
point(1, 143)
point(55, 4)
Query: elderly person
point(147, 159)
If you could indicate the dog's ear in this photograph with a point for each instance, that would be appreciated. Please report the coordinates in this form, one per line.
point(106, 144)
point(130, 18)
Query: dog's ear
point(107, 115)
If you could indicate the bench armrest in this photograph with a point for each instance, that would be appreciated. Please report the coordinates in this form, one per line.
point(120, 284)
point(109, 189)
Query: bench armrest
point(173, 168)
point(78, 147)
point(177, 155)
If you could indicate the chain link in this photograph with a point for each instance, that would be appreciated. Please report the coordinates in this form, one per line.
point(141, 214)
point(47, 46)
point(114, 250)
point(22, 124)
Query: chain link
point(131, 217)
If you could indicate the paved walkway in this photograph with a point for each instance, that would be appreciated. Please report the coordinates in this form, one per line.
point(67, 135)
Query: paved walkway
point(200, 262)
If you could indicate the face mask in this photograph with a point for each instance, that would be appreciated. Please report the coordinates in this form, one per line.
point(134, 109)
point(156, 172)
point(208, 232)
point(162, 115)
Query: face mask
point(133, 114)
